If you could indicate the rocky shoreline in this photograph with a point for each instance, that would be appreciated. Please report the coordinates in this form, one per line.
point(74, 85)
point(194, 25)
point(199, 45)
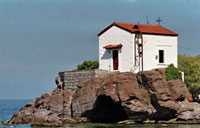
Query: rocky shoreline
point(120, 98)
point(75, 121)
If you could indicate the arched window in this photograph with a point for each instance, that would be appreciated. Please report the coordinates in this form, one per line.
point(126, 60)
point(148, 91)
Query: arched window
point(135, 27)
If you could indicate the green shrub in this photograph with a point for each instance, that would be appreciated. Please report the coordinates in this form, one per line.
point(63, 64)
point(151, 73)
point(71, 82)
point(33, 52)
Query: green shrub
point(172, 73)
point(190, 65)
point(87, 65)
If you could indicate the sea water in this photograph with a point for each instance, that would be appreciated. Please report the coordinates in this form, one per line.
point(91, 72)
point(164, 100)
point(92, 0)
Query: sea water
point(9, 107)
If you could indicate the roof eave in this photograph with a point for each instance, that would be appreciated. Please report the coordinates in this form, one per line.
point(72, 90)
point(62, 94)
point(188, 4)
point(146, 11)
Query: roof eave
point(104, 30)
point(159, 34)
point(113, 24)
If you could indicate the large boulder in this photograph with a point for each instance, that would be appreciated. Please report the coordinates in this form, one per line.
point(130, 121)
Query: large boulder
point(165, 95)
point(188, 111)
point(113, 98)
point(45, 110)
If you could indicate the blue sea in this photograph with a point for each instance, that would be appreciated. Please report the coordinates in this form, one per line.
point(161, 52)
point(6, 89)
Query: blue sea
point(9, 107)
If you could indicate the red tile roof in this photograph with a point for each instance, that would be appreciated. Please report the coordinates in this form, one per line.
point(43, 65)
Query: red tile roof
point(144, 28)
point(113, 46)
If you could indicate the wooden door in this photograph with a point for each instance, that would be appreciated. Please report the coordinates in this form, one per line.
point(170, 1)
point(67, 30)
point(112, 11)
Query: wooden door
point(115, 60)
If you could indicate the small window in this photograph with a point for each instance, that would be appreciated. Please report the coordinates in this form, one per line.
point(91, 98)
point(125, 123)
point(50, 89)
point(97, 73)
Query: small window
point(161, 56)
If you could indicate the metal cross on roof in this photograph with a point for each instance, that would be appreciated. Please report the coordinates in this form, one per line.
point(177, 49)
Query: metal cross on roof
point(159, 20)
point(147, 18)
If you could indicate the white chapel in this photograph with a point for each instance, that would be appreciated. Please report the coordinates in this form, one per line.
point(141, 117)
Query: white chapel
point(136, 47)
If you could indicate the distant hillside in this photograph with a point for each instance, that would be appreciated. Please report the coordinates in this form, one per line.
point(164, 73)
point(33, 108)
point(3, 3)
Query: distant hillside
point(190, 65)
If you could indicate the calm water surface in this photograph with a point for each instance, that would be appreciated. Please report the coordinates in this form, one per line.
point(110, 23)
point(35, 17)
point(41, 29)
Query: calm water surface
point(9, 107)
point(132, 126)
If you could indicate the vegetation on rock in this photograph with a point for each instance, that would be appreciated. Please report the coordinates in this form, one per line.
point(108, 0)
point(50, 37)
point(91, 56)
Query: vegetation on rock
point(172, 73)
point(191, 67)
point(87, 65)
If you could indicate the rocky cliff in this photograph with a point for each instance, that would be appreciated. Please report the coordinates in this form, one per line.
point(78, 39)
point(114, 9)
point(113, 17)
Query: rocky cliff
point(113, 98)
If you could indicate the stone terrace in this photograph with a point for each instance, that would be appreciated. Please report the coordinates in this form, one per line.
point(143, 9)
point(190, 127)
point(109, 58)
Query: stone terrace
point(71, 79)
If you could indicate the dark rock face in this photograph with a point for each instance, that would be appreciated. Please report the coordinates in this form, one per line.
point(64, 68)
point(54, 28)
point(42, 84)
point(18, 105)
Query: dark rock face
point(155, 82)
point(164, 94)
point(47, 109)
point(119, 90)
point(110, 99)
point(106, 110)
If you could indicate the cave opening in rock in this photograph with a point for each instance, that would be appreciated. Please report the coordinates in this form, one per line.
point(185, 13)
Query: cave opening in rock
point(106, 110)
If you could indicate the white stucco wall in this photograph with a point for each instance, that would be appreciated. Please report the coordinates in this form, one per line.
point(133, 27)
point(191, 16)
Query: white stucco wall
point(113, 36)
point(152, 45)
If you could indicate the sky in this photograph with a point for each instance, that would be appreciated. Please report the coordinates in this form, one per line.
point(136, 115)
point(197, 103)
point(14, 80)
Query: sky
point(39, 38)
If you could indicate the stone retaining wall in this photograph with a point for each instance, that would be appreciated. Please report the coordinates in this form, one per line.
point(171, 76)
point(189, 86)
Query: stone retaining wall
point(71, 79)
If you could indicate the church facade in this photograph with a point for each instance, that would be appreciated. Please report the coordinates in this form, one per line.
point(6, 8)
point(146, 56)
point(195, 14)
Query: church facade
point(136, 47)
